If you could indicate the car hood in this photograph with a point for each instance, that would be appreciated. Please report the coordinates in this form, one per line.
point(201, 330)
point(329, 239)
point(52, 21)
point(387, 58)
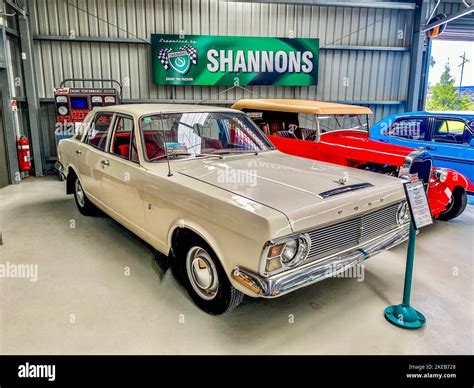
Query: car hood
point(357, 145)
point(295, 186)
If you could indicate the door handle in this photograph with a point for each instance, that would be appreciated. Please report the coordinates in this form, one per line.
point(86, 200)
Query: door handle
point(105, 163)
point(79, 152)
point(430, 147)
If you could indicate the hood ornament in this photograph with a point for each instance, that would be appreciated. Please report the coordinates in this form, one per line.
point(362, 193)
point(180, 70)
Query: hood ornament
point(344, 179)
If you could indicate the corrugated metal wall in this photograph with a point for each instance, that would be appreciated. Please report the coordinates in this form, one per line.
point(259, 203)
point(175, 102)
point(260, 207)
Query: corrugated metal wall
point(376, 73)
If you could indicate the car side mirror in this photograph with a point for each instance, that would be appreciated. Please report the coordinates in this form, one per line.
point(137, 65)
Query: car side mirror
point(471, 143)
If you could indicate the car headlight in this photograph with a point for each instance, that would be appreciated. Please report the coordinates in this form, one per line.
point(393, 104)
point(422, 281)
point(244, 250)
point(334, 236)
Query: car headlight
point(441, 174)
point(403, 213)
point(285, 253)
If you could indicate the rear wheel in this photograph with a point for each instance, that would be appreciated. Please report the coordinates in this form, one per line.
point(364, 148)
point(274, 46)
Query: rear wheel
point(456, 206)
point(204, 278)
point(85, 206)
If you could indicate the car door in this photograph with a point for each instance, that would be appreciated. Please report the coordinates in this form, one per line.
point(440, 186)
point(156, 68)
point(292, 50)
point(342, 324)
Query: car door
point(90, 154)
point(450, 145)
point(123, 176)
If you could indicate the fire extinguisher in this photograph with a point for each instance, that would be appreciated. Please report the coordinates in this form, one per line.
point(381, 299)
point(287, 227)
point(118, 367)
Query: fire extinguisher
point(24, 161)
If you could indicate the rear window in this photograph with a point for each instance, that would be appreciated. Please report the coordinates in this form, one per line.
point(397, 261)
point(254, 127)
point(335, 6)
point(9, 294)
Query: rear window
point(97, 135)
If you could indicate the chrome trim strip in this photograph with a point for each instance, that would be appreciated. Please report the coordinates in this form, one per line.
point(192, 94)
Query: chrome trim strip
point(313, 272)
point(343, 189)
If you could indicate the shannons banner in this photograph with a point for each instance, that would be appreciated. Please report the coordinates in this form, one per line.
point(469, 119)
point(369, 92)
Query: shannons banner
point(234, 60)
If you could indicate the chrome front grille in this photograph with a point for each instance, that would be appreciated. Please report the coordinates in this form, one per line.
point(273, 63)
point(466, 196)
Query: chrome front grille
point(352, 232)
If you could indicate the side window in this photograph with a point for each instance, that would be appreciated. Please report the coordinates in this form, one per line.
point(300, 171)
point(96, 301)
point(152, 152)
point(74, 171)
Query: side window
point(410, 128)
point(123, 143)
point(449, 131)
point(97, 135)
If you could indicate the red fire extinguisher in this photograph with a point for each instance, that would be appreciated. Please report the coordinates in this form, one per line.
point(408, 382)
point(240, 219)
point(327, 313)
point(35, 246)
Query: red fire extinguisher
point(24, 161)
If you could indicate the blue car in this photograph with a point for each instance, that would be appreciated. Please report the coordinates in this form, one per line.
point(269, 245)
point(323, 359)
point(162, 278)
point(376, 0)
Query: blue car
point(448, 136)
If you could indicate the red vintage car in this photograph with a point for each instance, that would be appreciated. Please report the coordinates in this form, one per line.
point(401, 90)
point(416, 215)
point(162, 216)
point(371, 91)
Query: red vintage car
point(338, 133)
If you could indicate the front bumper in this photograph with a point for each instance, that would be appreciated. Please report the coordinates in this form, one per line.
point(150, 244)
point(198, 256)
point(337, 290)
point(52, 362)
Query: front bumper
point(313, 272)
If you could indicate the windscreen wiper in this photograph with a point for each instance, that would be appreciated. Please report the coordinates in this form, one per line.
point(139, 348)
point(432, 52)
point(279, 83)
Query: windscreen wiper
point(170, 154)
point(209, 155)
point(225, 152)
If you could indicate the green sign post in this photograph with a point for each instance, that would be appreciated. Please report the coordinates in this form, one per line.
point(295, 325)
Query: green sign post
point(404, 315)
point(234, 60)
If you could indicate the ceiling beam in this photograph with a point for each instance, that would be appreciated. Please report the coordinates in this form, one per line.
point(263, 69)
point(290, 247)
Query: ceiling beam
point(376, 4)
point(450, 18)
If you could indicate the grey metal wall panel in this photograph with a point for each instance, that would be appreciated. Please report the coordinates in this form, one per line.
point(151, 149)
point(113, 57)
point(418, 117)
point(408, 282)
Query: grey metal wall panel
point(47, 124)
point(345, 74)
point(14, 57)
point(130, 62)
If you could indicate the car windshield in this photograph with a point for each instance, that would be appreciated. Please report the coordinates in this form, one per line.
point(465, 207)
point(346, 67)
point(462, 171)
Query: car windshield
point(196, 134)
point(306, 125)
point(333, 122)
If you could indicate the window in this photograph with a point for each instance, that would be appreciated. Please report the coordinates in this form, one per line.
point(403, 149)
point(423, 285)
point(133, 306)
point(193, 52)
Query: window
point(123, 142)
point(194, 134)
point(409, 128)
point(450, 131)
point(97, 135)
point(83, 126)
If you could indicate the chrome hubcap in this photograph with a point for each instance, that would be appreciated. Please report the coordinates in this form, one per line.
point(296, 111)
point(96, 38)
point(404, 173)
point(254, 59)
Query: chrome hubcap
point(202, 273)
point(80, 194)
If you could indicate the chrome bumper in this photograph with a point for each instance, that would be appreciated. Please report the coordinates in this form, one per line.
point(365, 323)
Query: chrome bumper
point(58, 166)
point(313, 272)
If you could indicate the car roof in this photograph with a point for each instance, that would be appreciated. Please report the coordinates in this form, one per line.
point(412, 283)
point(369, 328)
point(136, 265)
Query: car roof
point(464, 114)
point(300, 106)
point(139, 110)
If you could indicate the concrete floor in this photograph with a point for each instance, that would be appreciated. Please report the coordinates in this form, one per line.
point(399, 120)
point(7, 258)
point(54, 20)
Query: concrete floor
point(83, 302)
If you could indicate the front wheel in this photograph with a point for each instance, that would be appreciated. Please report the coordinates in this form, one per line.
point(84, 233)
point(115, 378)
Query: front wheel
point(456, 206)
point(205, 279)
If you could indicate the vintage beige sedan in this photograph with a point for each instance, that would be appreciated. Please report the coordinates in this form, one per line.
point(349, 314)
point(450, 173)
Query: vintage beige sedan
point(205, 187)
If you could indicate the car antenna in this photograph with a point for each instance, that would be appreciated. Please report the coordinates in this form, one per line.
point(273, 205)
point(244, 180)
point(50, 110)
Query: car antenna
point(166, 147)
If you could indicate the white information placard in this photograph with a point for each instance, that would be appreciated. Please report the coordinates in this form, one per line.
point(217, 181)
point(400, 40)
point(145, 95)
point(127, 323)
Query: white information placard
point(418, 203)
